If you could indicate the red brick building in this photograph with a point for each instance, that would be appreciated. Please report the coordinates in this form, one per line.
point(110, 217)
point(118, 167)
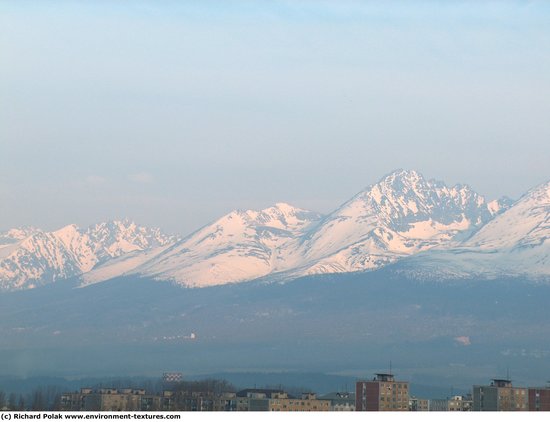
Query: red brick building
point(539, 399)
point(383, 393)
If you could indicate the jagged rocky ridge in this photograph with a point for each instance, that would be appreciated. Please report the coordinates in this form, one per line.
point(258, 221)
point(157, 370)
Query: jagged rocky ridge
point(404, 218)
point(515, 243)
point(30, 257)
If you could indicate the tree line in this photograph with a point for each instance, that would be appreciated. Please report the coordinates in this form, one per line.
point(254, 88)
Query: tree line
point(40, 399)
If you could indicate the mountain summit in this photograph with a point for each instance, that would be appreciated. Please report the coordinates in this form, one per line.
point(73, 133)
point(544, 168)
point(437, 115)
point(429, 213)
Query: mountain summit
point(400, 215)
point(32, 257)
point(240, 246)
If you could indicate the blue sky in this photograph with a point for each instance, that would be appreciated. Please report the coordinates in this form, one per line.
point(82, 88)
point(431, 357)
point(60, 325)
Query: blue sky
point(174, 113)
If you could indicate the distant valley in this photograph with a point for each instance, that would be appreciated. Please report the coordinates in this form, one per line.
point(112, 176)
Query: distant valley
point(440, 334)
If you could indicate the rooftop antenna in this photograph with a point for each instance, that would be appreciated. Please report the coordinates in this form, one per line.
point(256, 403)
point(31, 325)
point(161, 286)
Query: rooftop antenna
point(390, 366)
point(508, 373)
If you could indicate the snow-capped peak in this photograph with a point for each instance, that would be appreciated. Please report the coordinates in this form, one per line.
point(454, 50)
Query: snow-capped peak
point(43, 257)
point(14, 235)
point(405, 197)
point(280, 216)
point(117, 237)
point(284, 207)
point(239, 246)
point(400, 215)
point(400, 177)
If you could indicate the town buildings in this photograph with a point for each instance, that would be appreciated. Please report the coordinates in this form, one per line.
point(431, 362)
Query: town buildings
point(111, 399)
point(383, 393)
point(278, 400)
point(500, 396)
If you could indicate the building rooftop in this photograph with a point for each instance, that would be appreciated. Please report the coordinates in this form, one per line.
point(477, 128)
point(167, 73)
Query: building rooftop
point(384, 377)
point(339, 397)
point(501, 382)
point(258, 391)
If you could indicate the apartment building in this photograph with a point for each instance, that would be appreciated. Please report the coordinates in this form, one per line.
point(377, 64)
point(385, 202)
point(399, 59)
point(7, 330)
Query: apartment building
point(500, 395)
point(383, 393)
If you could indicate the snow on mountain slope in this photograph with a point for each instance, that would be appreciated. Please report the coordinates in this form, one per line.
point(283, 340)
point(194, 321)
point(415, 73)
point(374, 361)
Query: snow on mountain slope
point(516, 242)
point(242, 245)
point(525, 225)
point(10, 238)
point(122, 265)
point(400, 215)
point(116, 238)
point(452, 231)
point(15, 235)
point(35, 257)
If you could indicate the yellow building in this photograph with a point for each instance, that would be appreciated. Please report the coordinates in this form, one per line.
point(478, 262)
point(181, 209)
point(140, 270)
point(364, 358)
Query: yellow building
point(112, 399)
point(280, 401)
point(307, 403)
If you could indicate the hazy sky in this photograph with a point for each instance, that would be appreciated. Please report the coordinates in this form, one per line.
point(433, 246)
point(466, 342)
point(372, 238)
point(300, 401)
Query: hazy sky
point(174, 113)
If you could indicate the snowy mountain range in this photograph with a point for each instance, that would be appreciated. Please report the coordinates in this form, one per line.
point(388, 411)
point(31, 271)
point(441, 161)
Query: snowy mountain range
point(30, 257)
point(429, 229)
